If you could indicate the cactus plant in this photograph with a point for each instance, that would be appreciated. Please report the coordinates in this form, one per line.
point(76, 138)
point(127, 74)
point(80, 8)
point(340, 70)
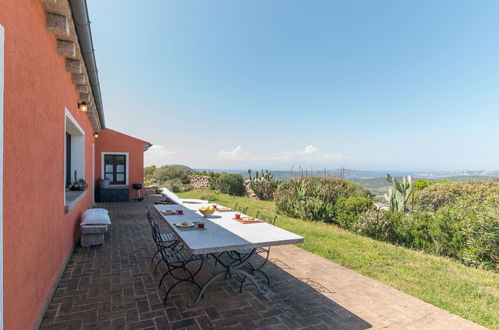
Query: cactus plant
point(78, 184)
point(391, 198)
point(400, 194)
point(263, 185)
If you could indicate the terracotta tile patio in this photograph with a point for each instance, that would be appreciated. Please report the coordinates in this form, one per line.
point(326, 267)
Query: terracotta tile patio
point(113, 287)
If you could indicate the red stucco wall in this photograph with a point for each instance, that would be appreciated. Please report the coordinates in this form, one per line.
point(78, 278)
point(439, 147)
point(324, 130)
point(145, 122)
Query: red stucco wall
point(38, 234)
point(112, 141)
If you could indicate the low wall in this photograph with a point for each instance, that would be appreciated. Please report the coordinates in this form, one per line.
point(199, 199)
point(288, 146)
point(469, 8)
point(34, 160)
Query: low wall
point(150, 190)
point(199, 181)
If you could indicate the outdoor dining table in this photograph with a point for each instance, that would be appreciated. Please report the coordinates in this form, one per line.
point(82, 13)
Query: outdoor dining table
point(223, 235)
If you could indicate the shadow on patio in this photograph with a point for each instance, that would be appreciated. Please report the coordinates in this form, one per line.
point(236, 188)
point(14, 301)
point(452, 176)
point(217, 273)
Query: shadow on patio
point(113, 286)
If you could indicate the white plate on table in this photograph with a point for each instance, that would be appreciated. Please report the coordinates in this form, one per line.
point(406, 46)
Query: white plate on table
point(169, 212)
point(247, 219)
point(187, 224)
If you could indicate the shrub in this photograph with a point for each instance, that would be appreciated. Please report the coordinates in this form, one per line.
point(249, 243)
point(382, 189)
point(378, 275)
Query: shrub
point(149, 174)
point(414, 231)
point(465, 232)
point(439, 195)
point(456, 220)
point(420, 184)
point(264, 185)
point(468, 232)
point(314, 198)
point(347, 210)
point(232, 184)
point(482, 240)
point(208, 197)
point(171, 172)
point(212, 179)
point(176, 186)
point(379, 225)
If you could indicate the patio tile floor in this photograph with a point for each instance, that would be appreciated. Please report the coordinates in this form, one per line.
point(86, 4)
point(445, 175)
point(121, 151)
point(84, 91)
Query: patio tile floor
point(113, 287)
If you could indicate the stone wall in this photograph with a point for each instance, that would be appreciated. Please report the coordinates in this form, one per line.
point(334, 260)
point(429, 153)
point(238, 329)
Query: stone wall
point(199, 181)
point(150, 190)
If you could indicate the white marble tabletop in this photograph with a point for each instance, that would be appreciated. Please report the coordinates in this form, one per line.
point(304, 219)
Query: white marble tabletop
point(222, 233)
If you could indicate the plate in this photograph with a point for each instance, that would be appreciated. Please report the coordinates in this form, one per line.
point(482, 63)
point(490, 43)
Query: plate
point(168, 212)
point(188, 224)
point(224, 209)
point(247, 219)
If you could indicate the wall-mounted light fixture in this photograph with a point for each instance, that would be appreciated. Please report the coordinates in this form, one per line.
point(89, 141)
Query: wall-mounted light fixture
point(82, 106)
point(96, 135)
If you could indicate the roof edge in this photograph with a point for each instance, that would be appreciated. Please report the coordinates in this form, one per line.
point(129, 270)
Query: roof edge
point(81, 21)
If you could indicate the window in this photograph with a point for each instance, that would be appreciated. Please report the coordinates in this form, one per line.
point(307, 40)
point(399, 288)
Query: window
point(74, 151)
point(115, 168)
point(68, 159)
point(74, 161)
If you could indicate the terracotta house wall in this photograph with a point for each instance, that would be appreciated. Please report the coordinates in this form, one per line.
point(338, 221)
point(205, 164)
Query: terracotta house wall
point(38, 234)
point(112, 141)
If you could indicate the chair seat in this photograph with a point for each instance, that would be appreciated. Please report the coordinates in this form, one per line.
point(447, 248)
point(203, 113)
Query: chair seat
point(168, 237)
point(178, 256)
point(248, 251)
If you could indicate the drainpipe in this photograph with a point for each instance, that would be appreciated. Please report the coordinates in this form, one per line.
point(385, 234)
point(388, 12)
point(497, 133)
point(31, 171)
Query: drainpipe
point(82, 26)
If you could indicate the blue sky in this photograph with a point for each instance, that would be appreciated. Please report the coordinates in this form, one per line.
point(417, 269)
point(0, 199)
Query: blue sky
point(406, 85)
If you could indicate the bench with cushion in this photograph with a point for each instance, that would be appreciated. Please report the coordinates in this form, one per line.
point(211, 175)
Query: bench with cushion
point(93, 227)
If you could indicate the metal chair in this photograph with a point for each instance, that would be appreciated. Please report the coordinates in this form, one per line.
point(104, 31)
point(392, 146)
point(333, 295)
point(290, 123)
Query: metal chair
point(176, 262)
point(241, 209)
point(248, 265)
point(169, 240)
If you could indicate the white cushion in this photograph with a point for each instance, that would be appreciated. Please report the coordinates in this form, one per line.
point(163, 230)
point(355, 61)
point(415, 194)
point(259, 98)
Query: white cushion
point(194, 201)
point(96, 210)
point(95, 218)
point(167, 193)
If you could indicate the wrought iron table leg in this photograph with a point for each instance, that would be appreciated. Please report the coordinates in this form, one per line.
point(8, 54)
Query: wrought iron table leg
point(205, 286)
point(247, 275)
point(229, 268)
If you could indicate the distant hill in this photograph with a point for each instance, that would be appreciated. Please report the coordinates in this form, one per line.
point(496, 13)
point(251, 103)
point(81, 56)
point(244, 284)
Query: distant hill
point(286, 175)
point(367, 174)
point(184, 167)
point(174, 165)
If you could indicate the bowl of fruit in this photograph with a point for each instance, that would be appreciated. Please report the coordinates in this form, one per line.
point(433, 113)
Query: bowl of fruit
point(206, 211)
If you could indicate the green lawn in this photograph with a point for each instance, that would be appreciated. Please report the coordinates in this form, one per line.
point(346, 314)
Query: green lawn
point(468, 292)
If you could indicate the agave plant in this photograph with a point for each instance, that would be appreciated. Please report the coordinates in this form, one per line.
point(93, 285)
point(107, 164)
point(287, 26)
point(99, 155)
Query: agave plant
point(398, 196)
point(263, 185)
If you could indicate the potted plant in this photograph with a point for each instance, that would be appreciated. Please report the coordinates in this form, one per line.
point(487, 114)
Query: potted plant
point(78, 184)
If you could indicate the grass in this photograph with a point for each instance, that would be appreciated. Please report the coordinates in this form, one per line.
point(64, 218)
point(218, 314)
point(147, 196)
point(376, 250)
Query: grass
point(468, 292)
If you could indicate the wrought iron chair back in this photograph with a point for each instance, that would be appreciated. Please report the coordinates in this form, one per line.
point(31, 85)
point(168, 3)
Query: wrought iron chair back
point(150, 219)
point(241, 209)
point(161, 240)
point(267, 218)
point(156, 236)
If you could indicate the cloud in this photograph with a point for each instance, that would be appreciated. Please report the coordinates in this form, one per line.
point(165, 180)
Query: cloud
point(310, 149)
point(236, 154)
point(159, 155)
point(309, 154)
